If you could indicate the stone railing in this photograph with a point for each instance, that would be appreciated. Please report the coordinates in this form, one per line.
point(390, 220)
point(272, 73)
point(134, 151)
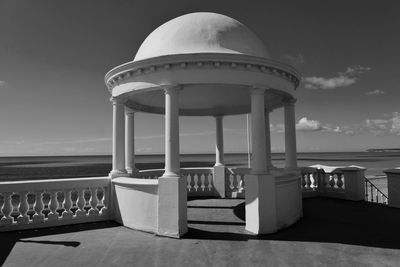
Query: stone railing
point(234, 182)
point(199, 180)
point(336, 182)
point(323, 181)
point(46, 203)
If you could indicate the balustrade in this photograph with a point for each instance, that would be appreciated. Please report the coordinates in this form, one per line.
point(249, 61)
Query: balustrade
point(235, 183)
point(33, 204)
point(199, 181)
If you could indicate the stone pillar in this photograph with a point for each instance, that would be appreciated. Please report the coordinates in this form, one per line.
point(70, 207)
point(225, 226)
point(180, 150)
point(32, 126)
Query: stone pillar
point(259, 160)
point(172, 190)
point(393, 184)
point(219, 145)
point(268, 140)
point(219, 167)
point(130, 142)
point(290, 135)
point(172, 163)
point(118, 149)
point(354, 183)
point(259, 185)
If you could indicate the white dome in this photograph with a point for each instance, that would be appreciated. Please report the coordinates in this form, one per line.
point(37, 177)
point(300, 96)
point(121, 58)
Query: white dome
point(201, 32)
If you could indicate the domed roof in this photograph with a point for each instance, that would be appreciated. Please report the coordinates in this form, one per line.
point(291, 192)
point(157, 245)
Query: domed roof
point(201, 32)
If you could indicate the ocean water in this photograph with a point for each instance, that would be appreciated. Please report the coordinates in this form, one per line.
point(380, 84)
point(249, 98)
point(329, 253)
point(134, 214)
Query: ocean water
point(21, 168)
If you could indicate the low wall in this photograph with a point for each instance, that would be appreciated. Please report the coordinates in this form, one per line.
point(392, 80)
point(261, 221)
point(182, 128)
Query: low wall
point(137, 202)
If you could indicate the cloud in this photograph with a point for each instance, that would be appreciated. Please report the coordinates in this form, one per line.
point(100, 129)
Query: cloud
point(294, 60)
point(388, 125)
point(330, 83)
point(305, 125)
point(344, 79)
point(376, 92)
point(354, 71)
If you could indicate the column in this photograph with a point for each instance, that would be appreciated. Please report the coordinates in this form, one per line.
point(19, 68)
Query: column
point(260, 186)
point(130, 142)
point(219, 167)
point(268, 140)
point(118, 150)
point(290, 134)
point(172, 163)
point(172, 188)
point(219, 145)
point(259, 160)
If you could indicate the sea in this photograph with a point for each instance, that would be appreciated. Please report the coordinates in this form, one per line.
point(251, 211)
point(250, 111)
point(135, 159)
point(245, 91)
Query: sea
point(54, 167)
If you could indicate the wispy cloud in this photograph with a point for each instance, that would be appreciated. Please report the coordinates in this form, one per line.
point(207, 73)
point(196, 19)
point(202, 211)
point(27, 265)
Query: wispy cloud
point(386, 125)
point(294, 60)
point(375, 92)
point(344, 79)
point(309, 125)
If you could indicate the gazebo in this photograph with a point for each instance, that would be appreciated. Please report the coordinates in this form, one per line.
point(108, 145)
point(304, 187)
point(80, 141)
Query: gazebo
point(203, 64)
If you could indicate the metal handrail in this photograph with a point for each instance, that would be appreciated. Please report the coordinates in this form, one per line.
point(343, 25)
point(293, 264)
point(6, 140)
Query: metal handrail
point(384, 197)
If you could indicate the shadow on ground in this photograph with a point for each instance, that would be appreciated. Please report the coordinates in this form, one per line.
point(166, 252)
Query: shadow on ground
point(9, 239)
point(324, 220)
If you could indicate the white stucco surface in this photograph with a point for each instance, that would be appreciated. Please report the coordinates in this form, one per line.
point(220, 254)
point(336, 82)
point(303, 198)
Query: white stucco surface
point(201, 32)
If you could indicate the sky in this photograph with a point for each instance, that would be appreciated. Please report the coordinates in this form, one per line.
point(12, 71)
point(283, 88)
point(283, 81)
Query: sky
point(54, 55)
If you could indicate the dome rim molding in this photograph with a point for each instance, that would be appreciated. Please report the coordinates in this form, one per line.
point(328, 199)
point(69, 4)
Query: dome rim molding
point(202, 60)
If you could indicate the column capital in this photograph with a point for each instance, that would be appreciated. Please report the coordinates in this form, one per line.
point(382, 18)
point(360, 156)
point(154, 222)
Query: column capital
point(289, 101)
point(257, 90)
point(171, 88)
point(129, 111)
point(116, 100)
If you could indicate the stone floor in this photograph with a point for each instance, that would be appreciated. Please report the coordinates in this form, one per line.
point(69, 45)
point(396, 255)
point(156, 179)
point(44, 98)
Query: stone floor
point(332, 233)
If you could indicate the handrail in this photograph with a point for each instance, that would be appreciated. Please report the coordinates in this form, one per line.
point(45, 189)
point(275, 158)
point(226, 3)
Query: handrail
point(384, 197)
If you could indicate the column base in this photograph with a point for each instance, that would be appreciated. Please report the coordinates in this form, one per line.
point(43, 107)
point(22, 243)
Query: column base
point(118, 173)
point(261, 213)
point(172, 206)
point(133, 172)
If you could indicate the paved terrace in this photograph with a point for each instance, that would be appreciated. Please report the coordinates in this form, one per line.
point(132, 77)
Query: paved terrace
point(332, 233)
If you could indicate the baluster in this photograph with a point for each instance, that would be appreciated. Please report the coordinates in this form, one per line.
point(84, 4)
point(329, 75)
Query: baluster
point(23, 217)
point(339, 182)
point(241, 183)
point(38, 217)
point(308, 180)
point(377, 200)
point(192, 183)
point(210, 179)
point(53, 215)
point(331, 181)
point(7, 209)
point(231, 181)
point(67, 213)
point(366, 190)
point(104, 201)
point(235, 183)
point(206, 183)
point(195, 178)
point(81, 203)
point(314, 183)
point(199, 182)
point(188, 182)
point(93, 202)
